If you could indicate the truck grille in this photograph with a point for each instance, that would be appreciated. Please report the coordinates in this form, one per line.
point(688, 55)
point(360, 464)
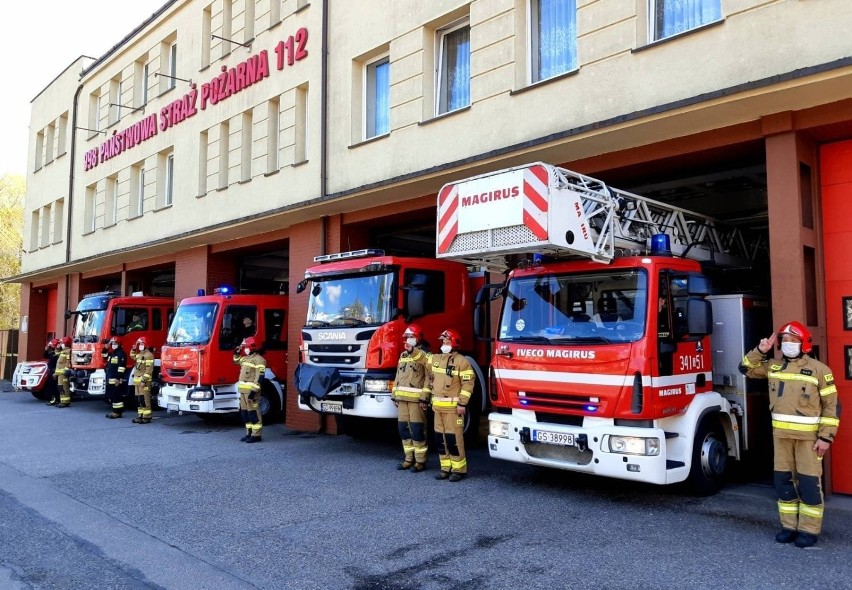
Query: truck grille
point(558, 453)
point(534, 400)
point(82, 358)
point(334, 360)
point(344, 348)
point(176, 372)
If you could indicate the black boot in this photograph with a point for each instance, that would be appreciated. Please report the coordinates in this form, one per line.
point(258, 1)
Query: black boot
point(785, 536)
point(806, 540)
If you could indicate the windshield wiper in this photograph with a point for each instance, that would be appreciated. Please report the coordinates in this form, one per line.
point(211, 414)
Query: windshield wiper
point(317, 324)
point(349, 321)
point(582, 340)
point(528, 339)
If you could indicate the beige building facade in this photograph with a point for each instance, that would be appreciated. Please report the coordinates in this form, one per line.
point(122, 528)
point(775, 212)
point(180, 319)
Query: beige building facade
point(233, 140)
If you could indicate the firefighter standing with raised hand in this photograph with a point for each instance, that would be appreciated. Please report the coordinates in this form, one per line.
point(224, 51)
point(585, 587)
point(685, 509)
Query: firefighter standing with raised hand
point(252, 368)
point(411, 395)
point(116, 366)
point(451, 384)
point(803, 402)
point(143, 356)
point(62, 372)
point(51, 356)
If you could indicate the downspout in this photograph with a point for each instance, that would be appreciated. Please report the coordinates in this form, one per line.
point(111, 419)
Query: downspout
point(68, 234)
point(323, 123)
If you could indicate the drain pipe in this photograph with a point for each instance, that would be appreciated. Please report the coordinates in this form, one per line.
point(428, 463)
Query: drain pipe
point(71, 162)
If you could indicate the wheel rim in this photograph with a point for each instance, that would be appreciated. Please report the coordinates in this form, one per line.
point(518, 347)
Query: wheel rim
point(714, 457)
point(265, 405)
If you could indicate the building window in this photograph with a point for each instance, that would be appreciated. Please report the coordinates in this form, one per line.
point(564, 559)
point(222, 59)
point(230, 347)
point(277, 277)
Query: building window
point(48, 145)
point(111, 201)
point(670, 17)
point(39, 151)
point(206, 32)
point(224, 152)
point(118, 100)
point(62, 134)
point(89, 211)
point(272, 136)
point(137, 192)
point(553, 25)
point(34, 226)
point(44, 234)
point(143, 95)
point(245, 146)
point(203, 147)
point(377, 97)
point(58, 218)
point(168, 199)
point(454, 67)
point(301, 146)
point(172, 66)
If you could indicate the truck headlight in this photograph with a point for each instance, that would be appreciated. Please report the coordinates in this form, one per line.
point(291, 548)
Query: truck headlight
point(97, 381)
point(499, 429)
point(634, 445)
point(378, 385)
point(199, 394)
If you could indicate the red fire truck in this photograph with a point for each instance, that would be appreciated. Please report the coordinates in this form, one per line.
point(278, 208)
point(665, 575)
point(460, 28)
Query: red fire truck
point(198, 372)
point(108, 314)
point(360, 304)
point(603, 359)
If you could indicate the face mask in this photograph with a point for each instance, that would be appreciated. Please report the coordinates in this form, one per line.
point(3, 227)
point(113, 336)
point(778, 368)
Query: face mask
point(247, 351)
point(446, 348)
point(411, 341)
point(791, 349)
point(141, 347)
point(115, 346)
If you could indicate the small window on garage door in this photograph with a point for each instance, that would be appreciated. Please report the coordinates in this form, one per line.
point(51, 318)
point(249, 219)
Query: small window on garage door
point(275, 329)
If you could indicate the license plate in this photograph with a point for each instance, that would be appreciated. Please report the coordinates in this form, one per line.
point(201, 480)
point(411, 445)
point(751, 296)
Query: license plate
point(331, 407)
point(553, 438)
point(172, 407)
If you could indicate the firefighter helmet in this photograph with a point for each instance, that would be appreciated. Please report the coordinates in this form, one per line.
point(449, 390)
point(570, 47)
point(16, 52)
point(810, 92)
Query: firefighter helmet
point(798, 330)
point(52, 343)
point(413, 331)
point(65, 341)
point(114, 342)
point(141, 340)
point(452, 336)
point(250, 343)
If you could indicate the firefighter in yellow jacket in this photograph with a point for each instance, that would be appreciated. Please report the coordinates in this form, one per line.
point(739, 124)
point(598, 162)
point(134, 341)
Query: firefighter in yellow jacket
point(803, 402)
point(411, 395)
point(143, 375)
point(62, 371)
point(252, 367)
point(451, 385)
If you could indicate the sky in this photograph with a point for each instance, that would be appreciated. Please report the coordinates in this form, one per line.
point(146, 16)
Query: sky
point(41, 38)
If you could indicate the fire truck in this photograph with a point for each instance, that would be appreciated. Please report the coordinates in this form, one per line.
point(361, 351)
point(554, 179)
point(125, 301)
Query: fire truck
point(613, 355)
point(360, 304)
point(198, 372)
point(105, 315)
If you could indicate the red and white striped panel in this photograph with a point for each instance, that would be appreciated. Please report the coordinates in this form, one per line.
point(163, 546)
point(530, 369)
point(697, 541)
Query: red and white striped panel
point(448, 217)
point(535, 201)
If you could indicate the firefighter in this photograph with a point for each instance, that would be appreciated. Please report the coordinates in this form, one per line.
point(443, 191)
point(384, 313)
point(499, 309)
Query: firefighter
point(143, 356)
point(116, 365)
point(63, 372)
point(411, 395)
point(451, 385)
point(252, 367)
point(51, 356)
point(803, 402)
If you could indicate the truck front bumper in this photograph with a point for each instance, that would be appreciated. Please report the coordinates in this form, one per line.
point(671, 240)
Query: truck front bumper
point(88, 383)
point(598, 447)
point(198, 399)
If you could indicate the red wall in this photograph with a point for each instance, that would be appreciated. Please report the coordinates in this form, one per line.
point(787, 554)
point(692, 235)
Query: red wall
point(836, 180)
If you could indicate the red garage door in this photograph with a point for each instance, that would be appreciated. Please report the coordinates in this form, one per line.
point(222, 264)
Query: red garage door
point(836, 179)
point(50, 316)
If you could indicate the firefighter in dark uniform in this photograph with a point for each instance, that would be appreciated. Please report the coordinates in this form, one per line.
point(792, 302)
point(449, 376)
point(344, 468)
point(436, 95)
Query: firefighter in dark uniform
point(63, 371)
point(143, 374)
point(803, 402)
point(51, 388)
point(451, 385)
point(116, 366)
point(252, 368)
point(411, 395)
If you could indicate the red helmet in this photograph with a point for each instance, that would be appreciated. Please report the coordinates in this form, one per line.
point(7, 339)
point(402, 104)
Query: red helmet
point(114, 341)
point(143, 341)
point(455, 339)
point(799, 331)
point(413, 331)
point(52, 343)
point(65, 341)
point(250, 343)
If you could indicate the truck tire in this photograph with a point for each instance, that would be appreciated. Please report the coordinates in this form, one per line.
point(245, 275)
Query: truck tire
point(270, 405)
point(42, 394)
point(709, 458)
point(472, 417)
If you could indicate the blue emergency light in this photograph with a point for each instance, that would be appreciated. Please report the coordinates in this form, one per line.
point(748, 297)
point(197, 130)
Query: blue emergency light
point(223, 290)
point(200, 292)
point(661, 245)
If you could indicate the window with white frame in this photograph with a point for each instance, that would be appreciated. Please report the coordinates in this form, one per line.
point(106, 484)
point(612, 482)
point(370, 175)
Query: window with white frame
point(118, 98)
point(89, 211)
point(377, 97)
point(553, 38)
point(172, 66)
point(34, 227)
point(111, 201)
point(137, 192)
point(670, 17)
point(453, 67)
point(168, 196)
point(143, 91)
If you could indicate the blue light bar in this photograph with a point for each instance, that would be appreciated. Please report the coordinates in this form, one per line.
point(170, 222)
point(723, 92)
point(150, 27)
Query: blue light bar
point(661, 245)
point(591, 408)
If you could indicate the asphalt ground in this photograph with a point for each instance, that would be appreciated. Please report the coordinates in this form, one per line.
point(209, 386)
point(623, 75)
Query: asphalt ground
point(88, 502)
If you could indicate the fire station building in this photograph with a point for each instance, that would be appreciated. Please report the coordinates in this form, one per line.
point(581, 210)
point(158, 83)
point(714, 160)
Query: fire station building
point(231, 141)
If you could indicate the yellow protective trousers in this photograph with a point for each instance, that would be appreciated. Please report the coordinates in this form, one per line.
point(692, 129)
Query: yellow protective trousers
point(798, 482)
point(412, 431)
point(143, 399)
point(449, 440)
point(250, 412)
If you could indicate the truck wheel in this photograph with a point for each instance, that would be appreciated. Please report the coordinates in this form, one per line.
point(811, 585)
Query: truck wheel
point(709, 458)
point(472, 417)
point(270, 406)
point(42, 395)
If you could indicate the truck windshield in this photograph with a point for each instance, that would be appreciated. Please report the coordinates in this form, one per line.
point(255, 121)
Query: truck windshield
point(605, 307)
point(87, 325)
point(352, 300)
point(193, 324)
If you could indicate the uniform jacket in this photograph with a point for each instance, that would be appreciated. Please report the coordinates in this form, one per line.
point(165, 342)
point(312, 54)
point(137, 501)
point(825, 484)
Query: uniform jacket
point(411, 383)
point(116, 363)
point(63, 361)
point(252, 368)
point(451, 381)
point(51, 356)
point(144, 365)
point(802, 395)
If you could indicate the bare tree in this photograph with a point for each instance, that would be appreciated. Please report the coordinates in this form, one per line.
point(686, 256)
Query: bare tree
point(12, 189)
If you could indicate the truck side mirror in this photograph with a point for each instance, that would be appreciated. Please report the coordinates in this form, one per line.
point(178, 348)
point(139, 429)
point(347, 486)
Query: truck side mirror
point(699, 319)
point(482, 310)
point(118, 322)
point(698, 285)
point(416, 299)
point(302, 285)
point(68, 313)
